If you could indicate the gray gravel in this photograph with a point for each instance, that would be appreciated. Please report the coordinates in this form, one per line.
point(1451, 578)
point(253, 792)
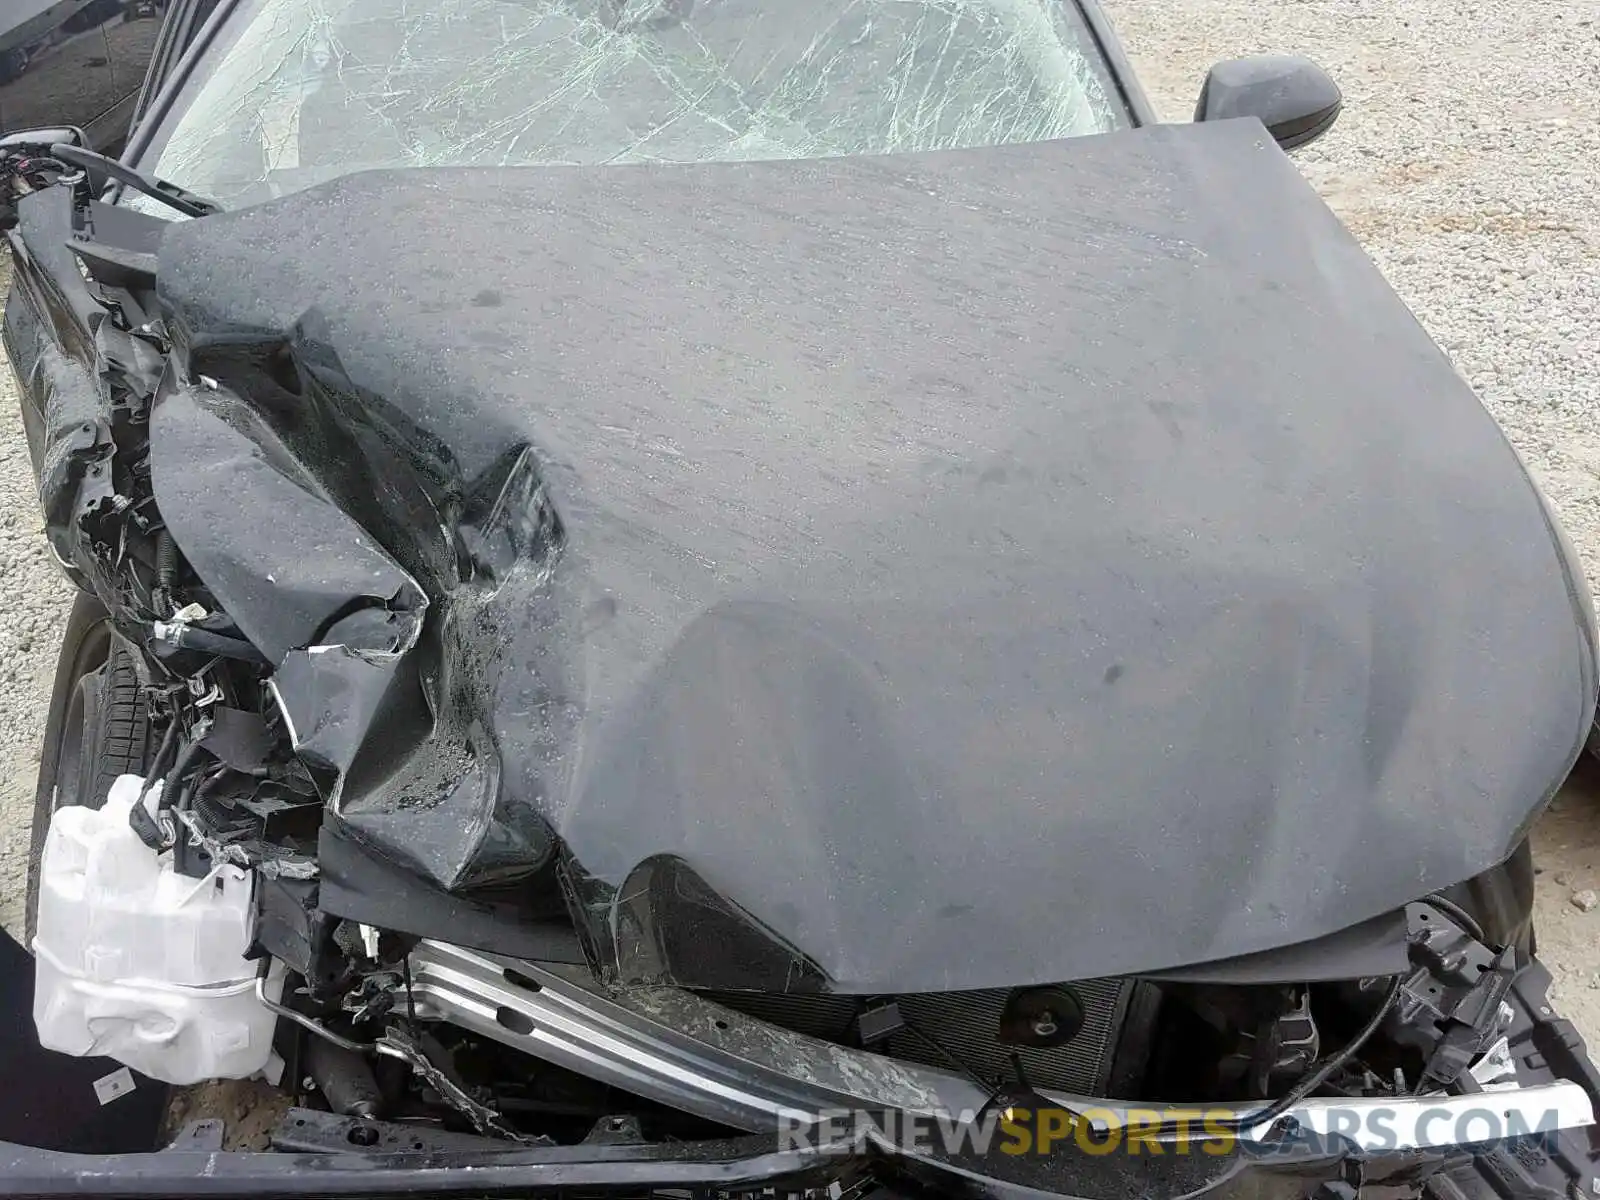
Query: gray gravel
point(1466, 161)
point(30, 632)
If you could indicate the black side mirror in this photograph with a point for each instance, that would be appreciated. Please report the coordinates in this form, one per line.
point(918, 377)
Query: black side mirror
point(1294, 98)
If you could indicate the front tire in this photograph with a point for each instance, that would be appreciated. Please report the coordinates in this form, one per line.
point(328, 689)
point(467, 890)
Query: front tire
point(98, 728)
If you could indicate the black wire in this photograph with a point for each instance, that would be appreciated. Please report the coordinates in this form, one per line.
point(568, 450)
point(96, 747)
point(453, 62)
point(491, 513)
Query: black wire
point(158, 765)
point(208, 783)
point(411, 1002)
point(1307, 1084)
point(995, 1089)
point(177, 778)
point(1457, 914)
point(1315, 1078)
point(139, 819)
point(950, 1059)
point(166, 572)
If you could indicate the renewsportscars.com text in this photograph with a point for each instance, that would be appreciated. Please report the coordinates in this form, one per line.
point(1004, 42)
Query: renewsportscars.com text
point(1164, 1131)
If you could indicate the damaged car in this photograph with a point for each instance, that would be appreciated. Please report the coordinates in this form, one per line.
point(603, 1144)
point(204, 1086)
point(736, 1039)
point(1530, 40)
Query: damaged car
point(720, 596)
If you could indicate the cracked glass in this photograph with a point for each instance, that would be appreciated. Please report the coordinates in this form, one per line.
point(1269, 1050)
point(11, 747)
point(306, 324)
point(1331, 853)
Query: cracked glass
point(300, 91)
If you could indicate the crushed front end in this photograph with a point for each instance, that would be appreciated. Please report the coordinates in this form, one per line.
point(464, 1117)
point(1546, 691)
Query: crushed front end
point(622, 777)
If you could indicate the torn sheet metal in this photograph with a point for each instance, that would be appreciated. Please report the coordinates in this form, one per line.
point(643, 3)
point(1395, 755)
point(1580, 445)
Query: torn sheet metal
point(86, 433)
point(292, 568)
point(917, 563)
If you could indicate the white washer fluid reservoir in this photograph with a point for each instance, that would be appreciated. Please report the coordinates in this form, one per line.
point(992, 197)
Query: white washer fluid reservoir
point(139, 963)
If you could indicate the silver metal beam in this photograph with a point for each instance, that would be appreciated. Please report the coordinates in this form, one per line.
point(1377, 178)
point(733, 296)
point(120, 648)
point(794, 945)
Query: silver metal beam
point(674, 1047)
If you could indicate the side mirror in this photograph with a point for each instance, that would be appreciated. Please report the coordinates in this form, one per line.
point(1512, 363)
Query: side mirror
point(1294, 98)
point(42, 139)
point(26, 164)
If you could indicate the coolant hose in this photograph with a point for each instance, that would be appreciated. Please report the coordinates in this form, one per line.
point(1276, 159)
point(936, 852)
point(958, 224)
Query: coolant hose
point(203, 640)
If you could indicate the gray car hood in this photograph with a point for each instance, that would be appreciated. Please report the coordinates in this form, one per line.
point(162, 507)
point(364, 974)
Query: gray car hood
point(924, 572)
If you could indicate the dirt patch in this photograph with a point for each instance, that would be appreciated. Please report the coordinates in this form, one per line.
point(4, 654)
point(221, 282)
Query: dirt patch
point(248, 1109)
point(1566, 853)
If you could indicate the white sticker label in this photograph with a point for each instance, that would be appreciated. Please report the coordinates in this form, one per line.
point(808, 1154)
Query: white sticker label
point(109, 1087)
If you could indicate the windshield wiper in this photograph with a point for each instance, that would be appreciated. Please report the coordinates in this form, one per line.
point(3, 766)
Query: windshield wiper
point(170, 194)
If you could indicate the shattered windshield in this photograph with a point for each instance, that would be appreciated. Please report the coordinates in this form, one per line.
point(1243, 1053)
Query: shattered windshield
point(299, 91)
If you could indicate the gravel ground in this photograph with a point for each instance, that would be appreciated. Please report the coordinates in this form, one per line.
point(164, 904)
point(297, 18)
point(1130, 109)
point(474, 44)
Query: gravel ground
point(1466, 163)
point(30, 634)
point(1467, 160)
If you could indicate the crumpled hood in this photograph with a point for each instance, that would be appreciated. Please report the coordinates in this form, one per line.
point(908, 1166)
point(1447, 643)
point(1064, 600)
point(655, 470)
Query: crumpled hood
point(890, 574)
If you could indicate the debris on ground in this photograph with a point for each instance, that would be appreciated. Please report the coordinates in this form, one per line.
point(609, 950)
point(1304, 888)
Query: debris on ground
point(248, 1109)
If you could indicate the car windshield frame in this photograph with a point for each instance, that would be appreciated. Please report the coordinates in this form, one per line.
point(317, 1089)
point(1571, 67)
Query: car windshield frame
point(1119, 101)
